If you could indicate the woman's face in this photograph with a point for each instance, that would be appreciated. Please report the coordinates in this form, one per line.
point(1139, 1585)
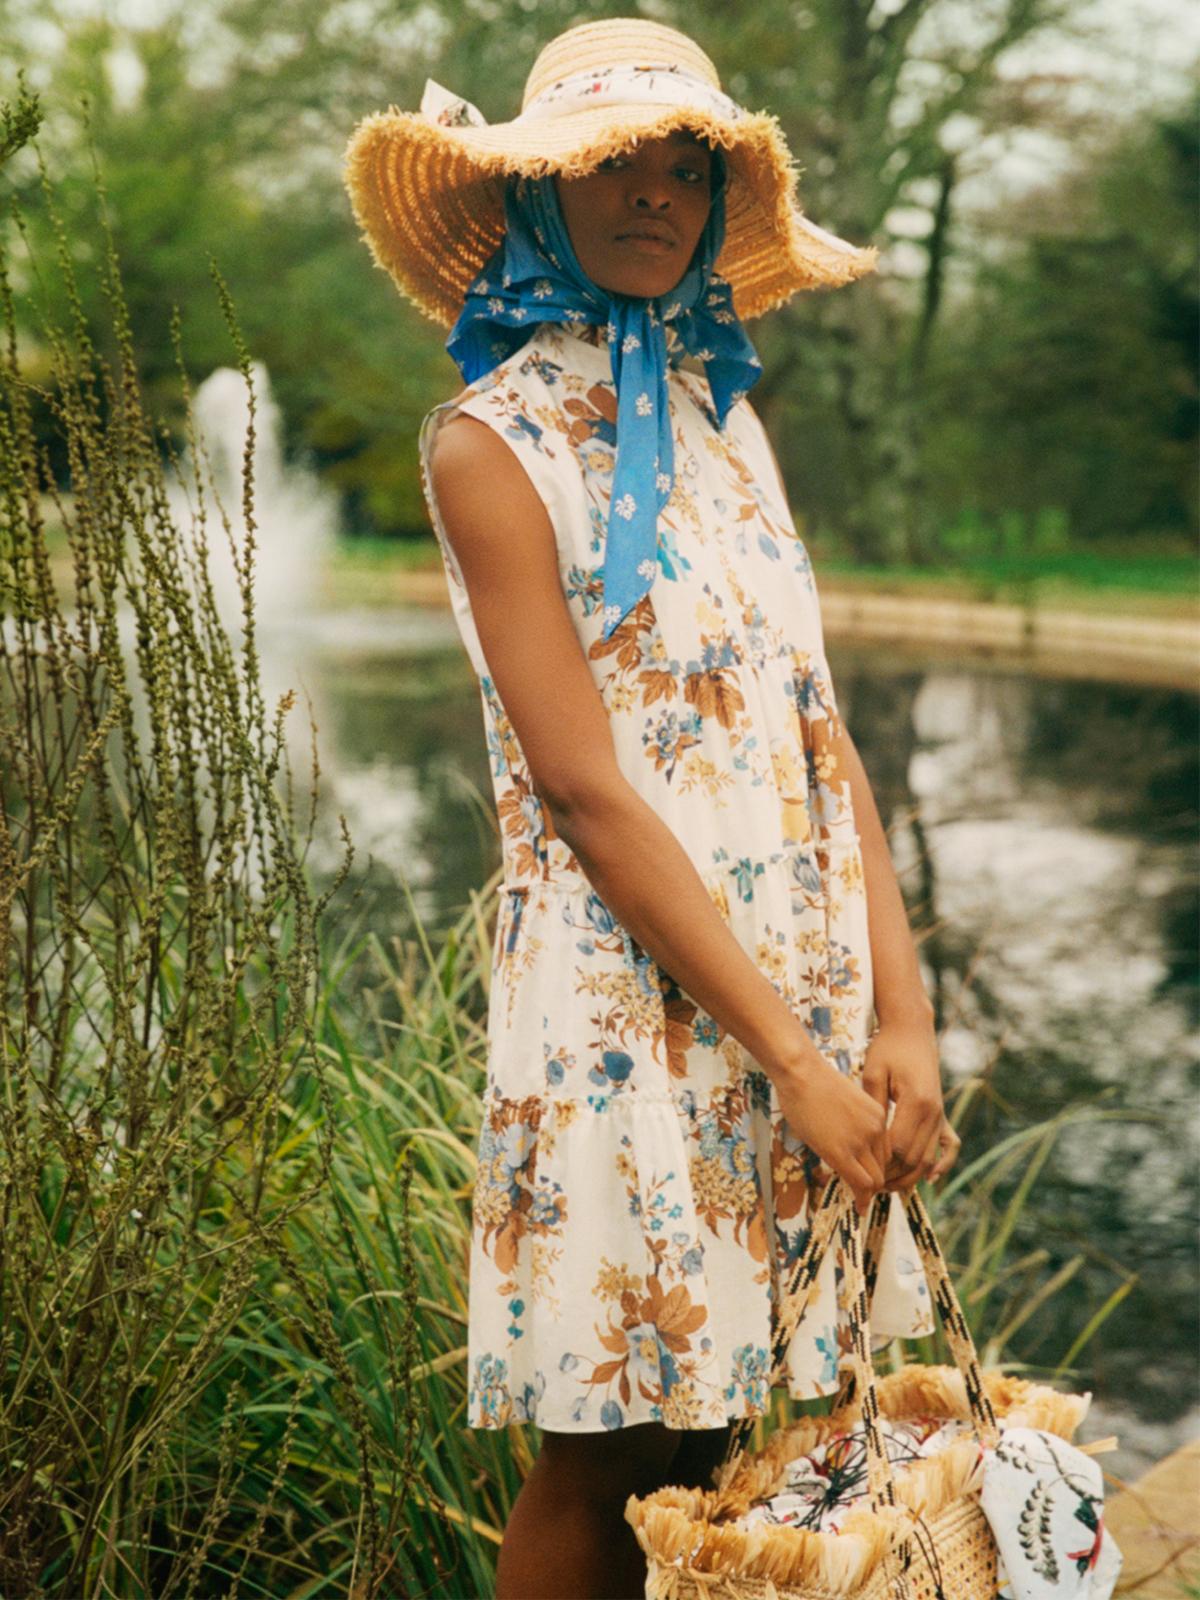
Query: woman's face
point(635, 221)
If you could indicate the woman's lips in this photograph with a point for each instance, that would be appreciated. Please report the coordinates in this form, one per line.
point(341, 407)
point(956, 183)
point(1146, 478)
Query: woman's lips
point(646, 243)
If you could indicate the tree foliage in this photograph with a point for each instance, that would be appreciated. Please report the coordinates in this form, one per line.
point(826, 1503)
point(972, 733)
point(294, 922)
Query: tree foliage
point(221, 128)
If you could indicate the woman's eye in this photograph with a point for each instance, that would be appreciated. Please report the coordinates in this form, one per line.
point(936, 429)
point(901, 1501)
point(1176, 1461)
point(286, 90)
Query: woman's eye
point(615, 163)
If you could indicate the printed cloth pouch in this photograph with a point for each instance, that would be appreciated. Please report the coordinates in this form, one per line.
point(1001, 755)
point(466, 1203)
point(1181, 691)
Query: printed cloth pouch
point(1043, 1498)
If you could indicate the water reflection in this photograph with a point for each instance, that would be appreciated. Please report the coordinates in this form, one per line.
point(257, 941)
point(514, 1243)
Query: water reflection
point(1047, 828)
point(1044, 830)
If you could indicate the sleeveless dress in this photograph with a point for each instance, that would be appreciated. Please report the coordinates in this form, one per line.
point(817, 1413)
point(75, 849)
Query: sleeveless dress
point(638, 1192)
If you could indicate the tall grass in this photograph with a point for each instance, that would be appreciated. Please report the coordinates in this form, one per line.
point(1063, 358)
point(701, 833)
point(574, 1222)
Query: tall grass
point(237, 1131)
point(167, 1126)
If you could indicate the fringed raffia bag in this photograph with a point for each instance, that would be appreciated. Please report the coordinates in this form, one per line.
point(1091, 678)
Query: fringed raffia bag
point(925, 1535)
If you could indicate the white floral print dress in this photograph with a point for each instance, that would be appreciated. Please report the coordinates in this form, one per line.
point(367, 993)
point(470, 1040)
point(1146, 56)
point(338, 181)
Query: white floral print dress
point(638, 1192)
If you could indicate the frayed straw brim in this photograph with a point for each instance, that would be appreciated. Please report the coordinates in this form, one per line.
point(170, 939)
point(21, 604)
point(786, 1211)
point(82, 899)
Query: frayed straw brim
point(429, 198)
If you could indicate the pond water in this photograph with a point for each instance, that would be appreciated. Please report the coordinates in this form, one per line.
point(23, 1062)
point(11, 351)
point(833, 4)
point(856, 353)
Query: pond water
point(1045, 834)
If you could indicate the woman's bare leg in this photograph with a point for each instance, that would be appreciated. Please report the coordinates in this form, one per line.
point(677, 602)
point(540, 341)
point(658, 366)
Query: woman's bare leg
point(700, 1451)
point(567, 1538)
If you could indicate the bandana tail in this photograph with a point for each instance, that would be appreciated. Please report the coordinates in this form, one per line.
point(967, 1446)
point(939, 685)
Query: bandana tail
point(638, 355)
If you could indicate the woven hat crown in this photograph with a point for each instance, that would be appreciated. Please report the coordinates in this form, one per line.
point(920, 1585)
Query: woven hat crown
point(616, 42)
point(428, 186)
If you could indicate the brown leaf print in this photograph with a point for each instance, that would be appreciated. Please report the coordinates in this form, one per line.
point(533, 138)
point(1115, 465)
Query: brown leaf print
point(508, 1239)
point(605, 401)
point(656, 685)
point(714, 696)
point(589, 420)
point(614, 1340)
point(674, 1315)
point(756, 1236)
point(624, 641)
point(679, 1013)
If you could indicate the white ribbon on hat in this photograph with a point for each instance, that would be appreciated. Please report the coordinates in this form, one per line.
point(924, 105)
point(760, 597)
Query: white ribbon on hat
point(629, 85)
point(449, 110)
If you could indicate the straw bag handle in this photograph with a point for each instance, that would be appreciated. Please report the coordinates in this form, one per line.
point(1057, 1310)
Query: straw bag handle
point(836, 1210)
point(877, 1214)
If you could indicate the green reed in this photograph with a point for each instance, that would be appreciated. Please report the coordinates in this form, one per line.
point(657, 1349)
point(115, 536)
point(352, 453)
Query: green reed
point(237, 1132)
point(168, 1128)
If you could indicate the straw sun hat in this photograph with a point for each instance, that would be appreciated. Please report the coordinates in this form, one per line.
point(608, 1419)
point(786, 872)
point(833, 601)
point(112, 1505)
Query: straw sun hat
point(427, 186)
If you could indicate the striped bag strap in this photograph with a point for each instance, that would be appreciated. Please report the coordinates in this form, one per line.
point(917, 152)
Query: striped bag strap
point(878, 1214)
point(836, 1211)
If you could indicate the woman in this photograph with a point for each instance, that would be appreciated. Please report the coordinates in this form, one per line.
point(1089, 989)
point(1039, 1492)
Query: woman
point(705, 994)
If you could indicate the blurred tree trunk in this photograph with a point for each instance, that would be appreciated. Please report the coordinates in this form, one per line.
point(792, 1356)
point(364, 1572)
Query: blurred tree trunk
point(867, 101)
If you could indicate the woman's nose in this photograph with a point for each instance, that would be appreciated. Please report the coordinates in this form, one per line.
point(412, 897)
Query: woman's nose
point(650, 193)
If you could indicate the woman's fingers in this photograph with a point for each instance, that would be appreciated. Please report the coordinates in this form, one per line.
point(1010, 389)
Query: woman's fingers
point(863, 1177)
point(950, 1144)
point(937, 1159)
point(913, 1141)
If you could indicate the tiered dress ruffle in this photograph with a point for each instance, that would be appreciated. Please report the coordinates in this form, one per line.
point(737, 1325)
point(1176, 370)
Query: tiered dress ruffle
point(639, 1193)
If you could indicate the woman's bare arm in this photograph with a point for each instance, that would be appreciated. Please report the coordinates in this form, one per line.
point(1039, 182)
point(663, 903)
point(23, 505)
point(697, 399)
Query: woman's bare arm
point(902, 1059)
point(504, 542)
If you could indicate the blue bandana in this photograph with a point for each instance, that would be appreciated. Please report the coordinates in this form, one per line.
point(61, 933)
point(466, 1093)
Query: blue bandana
point(535, 277)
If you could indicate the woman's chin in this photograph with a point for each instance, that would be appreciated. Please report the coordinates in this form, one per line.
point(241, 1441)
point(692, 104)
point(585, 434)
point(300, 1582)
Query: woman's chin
point(640, 285)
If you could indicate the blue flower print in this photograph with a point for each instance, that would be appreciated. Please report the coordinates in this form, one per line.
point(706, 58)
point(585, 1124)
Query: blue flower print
point(525, 1405)
point(583, 584)
point(749, 1377)
point(759, 1086)
point(805, 874)
point(653, 1356)
point(516, 1146)
point(843, 969)
point(669, 737)
point(820, 1022)
point(717, 653)
point(672, 563)
point(614, 1069)
point(489, 1390)
point(611, 1415)
point(521, 428)
point(496, 753)
point(705, 1031)
point(827, 1344)
point(598, 915)
point(546, 1210)
point(744, 873)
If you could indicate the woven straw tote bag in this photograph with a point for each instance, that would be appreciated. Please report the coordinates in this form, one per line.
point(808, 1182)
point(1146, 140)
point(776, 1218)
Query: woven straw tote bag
point(925, 1535)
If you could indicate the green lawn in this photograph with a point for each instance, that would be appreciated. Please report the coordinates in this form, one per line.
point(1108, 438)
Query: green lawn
point(1166, 583)
point(1010, 577)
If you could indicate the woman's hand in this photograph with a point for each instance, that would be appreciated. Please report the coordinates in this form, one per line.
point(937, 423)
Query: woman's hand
point(845, 1126)
point(902, 1065)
